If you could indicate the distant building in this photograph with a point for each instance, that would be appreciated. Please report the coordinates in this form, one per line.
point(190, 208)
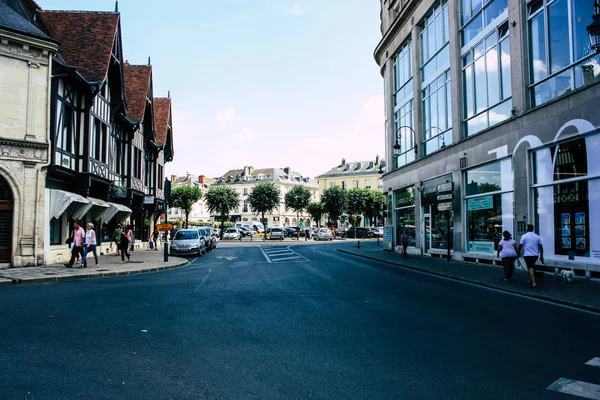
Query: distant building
point(243, 180)
point(199, 212)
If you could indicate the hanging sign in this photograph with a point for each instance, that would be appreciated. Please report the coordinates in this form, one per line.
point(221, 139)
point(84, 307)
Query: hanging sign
point(442, 197)
point(445, 206)
point(445, 187)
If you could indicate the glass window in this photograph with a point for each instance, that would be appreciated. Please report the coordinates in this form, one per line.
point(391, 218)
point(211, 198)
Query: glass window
point(558, 35)
point(355, 184)
point(482, 17)
point(437, 115)
point(537, 46)
point(434, 40)
point(403, 124)
point(368, 183)
point(56, 231)
point(405, 214)
point(491, 177)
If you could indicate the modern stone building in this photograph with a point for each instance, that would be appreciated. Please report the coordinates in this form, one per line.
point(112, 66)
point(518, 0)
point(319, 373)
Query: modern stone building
point(492, 123)
point(25, 58)
point(243, 180)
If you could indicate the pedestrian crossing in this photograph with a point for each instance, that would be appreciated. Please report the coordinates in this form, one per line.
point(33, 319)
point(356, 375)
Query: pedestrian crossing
point(280, 255)
point(583, 390)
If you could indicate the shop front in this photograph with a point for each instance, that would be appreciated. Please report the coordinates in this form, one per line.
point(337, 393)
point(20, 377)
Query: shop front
point(437, 217)
point(405, 215)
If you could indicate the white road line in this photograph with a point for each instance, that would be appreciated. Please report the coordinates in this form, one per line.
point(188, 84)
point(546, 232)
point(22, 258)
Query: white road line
point(269, 252)
point(286, 258)
point(203, 281)
point(576, 388)
point(265, 254)
point(297, 254)
point(594, 362)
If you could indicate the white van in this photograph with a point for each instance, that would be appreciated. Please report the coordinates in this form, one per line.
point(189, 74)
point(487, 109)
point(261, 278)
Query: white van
point(252, 225)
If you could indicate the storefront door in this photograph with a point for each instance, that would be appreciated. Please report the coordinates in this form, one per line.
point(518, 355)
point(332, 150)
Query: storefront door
point(426, 232)
point(6, 220)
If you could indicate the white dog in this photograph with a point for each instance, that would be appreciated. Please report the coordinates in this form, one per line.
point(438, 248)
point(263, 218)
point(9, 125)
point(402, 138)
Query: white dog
point(568, 276)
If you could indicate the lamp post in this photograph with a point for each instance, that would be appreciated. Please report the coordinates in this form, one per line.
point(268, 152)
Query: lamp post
point(398, 146)
point(594, 28)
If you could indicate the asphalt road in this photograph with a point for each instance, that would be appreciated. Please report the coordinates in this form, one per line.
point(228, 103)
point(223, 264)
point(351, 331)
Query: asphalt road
point(272, 322)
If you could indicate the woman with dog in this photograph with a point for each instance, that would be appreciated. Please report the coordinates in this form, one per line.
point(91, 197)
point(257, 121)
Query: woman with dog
point(507, 251)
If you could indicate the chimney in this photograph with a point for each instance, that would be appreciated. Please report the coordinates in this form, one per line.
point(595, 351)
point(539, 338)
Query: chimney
point(189, 178)
point(173, 178)
point(246, 170)
point(377, 160)
point(250, 169)
point(201, 179)
point(343, 161)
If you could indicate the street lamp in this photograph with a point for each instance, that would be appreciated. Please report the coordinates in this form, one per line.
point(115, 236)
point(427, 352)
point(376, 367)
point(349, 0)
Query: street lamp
point(398, 147)
point(594, 28)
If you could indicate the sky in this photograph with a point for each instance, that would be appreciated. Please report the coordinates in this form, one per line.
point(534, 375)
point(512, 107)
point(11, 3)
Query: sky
point(266, 83)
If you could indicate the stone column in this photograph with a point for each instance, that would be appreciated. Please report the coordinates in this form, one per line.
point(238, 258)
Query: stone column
point(455, 70)
point(31, 100)
point(28, 215)
point(519, 57)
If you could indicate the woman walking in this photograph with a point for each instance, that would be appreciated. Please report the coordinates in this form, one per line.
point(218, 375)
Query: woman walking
point(507, 251)
point(90, 245)
point(125, 244)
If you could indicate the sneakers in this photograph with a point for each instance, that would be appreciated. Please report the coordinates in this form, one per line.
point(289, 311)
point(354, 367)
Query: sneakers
point(68, 266)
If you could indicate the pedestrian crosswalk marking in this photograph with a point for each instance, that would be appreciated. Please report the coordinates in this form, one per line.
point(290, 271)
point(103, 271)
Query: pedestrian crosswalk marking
point(584, 390)
point(278, 255)
point(594, 362)
point(576, 388)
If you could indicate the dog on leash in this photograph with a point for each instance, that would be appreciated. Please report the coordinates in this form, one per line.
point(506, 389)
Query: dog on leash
point(568, 276)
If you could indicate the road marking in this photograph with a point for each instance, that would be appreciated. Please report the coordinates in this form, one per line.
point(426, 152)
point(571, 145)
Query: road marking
point(594, 362)
point(576, 388)
point(286, 258)
point(269, 252)
point(297, 254)
point(194, 260)
point(203, 280)
point(265, 254)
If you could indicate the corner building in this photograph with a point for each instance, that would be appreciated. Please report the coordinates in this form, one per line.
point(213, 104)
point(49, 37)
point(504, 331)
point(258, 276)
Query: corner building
point(492, 123)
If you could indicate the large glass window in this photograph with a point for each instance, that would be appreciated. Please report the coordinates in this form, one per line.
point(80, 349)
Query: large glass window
point(435, 53)
point(437, 114)
point(403, 104)
point(478, 14)
point(403, 123)
point(486, 77)
point(405, 214)
point(489, 204)
point(561, 58)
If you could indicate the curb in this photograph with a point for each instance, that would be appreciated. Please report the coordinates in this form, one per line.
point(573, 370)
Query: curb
point(579, 306)
point(181, 264)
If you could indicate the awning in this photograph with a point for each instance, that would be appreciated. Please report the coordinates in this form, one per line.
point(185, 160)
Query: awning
point(61, 200)
point(95, 208)
point(112, 211)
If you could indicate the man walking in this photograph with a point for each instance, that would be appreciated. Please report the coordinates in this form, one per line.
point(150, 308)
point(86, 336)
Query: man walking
point(78, 237)
point(532, 244)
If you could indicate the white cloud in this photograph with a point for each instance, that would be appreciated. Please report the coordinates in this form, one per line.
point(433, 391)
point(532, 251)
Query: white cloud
point(296, 10)
point(226, 115)
point(244, 134)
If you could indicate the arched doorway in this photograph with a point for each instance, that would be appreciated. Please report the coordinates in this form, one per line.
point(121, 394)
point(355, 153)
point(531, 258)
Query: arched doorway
point(6, 220)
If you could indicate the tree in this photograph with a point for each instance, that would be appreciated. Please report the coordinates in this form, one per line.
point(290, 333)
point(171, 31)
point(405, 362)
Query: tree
point(315, 209)
point(221, 200)
point(374, 204)
point(297, 199)
point(264, 198)
point(184, 197)
point(335, 202)
point(356, 204)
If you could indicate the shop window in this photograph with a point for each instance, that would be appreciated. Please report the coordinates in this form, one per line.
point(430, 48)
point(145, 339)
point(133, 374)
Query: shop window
point(405, 214)
point(489, 205)
point(438, 215)
point(56, 231)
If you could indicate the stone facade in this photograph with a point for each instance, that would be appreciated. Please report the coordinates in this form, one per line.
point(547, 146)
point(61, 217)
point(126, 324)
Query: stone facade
point(24, 128)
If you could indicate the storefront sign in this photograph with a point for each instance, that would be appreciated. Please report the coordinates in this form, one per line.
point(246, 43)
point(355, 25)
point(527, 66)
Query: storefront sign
point(388, 243)
point(442, 197)
point(445, 187)
point(480, 203)
point(164, 227)
point(148, 199)
point(481, 247)
point(444, 206)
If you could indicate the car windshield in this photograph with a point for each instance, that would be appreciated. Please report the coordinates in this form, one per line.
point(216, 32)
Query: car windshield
point(275, 230)
point(231, 231)
point(186, 235)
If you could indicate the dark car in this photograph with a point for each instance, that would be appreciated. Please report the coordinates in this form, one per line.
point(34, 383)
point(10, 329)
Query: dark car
point(360, 233)
point(292, 232)
point(244, 231)
point(209, 237)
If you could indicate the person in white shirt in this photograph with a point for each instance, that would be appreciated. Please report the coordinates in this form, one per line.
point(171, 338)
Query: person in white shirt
point(532, 245)
point(507, 251)
point(90, 245)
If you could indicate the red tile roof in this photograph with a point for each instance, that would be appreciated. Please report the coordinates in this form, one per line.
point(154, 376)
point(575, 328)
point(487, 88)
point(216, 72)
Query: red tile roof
point(137, 81)
point(86, 39)
point(162, 112)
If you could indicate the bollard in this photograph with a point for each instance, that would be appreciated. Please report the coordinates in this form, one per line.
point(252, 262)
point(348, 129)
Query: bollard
point(358, 243)
point(166, 251)
point(377, 240)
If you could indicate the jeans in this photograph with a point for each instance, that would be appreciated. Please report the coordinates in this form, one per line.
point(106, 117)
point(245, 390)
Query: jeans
point(87, 249)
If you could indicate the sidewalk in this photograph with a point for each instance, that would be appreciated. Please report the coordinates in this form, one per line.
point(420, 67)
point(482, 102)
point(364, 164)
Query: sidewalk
point(110, 265)
point(583, 294)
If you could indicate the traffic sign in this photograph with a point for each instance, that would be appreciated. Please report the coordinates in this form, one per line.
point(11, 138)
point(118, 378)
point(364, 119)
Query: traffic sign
point(164, 227)
point(441, 197)
point(445, 187)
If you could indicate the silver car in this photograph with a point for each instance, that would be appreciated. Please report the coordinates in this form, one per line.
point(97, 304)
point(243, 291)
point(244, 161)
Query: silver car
point(232, 234)
point(187, 242)
point(323, 234)
point(277, 233)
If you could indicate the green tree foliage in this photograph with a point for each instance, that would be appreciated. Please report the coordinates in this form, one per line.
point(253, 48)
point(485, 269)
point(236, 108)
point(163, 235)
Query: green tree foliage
point(297, 199)
point(264, 198)
point(315, 209)
point(184, 197)
point(222, 200)
point(356, 201)
point(335, 202)
point(374, 204)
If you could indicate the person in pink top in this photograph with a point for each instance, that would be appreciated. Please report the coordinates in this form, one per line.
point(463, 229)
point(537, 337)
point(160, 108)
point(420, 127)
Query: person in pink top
point(78, 238)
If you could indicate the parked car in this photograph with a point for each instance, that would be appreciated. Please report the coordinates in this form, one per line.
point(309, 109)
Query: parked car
point(232, 234)
point(187, 242)
point(292, 232)
point(209, 236)
point(244, 231)
point(323, 234)
point(277, 233)
point(341, 233)
point(360, 233)
point(376, 232)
